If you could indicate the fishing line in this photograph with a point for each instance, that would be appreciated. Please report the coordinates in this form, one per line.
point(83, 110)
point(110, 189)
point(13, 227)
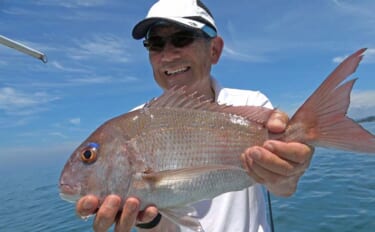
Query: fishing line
point(270, 211)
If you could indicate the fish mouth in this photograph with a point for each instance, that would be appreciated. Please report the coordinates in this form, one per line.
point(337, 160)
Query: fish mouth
point(69, 193)
point(176, 71)
point(70, 198)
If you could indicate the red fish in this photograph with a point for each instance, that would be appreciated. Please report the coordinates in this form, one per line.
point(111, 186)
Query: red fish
point(178, 149)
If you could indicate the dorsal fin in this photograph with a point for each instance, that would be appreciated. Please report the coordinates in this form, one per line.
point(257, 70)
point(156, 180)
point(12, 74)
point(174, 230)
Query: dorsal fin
point(178, 98)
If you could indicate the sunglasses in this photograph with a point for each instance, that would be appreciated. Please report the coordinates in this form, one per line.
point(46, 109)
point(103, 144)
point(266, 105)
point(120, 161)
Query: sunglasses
point(179, 40)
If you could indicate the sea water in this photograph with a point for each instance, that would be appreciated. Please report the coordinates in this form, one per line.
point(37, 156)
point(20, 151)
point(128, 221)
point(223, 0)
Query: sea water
point(337, 193)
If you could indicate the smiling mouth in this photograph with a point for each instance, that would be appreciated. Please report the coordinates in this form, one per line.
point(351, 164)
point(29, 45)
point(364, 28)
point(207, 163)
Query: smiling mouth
point(176, 71)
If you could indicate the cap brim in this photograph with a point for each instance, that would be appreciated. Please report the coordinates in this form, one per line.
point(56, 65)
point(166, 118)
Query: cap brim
point(140, 30)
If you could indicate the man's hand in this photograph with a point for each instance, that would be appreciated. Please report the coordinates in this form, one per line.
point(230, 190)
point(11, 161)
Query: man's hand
point(278, 165)
point(111, 211)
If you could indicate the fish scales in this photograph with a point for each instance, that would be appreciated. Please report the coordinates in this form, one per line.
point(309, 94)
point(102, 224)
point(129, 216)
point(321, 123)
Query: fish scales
point(191, 137)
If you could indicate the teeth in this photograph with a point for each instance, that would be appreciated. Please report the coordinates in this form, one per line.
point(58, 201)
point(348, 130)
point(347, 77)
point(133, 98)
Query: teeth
point(181, 70)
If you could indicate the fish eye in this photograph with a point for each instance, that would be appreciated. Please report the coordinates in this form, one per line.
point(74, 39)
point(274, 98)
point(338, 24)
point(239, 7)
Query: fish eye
point(89, 154)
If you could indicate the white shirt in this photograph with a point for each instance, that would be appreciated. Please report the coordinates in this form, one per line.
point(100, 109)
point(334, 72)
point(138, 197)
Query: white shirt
point(241, 211)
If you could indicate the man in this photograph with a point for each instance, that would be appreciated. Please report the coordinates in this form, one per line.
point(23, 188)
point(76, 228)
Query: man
point(181, 37)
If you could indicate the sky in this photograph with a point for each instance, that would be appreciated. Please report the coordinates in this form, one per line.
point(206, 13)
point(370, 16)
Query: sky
point(96, 70)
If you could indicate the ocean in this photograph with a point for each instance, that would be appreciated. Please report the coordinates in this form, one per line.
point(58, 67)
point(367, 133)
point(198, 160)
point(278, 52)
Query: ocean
point(337, 193)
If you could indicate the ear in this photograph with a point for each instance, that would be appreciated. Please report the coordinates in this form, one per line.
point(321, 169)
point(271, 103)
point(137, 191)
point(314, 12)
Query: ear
point(217, 45)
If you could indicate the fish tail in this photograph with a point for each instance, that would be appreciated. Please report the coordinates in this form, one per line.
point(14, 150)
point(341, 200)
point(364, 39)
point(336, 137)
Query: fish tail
point(322, 121)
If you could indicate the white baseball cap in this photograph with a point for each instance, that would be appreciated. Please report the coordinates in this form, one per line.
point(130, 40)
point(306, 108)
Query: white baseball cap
point(192, 14)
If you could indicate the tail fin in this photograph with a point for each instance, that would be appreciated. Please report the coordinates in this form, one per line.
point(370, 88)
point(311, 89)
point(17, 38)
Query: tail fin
point(322, 120)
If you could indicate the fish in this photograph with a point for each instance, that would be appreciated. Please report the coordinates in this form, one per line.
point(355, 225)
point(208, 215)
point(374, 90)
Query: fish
point(179, 149)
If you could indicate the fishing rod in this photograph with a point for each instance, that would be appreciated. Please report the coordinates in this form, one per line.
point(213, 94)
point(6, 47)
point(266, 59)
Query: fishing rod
point(23, 48)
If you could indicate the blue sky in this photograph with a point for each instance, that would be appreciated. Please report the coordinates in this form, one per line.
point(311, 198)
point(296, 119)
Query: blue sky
point(96, 71)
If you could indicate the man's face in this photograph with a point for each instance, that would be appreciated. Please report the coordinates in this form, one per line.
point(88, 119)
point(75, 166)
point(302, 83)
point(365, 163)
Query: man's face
point(181, 66)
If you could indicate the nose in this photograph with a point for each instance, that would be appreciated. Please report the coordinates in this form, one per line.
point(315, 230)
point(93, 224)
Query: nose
point(170, 52)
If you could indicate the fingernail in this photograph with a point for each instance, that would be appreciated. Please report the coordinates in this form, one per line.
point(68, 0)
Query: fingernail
point(87, 205)
point(255, 154)
point(269, 146)
point(249, 162)
point(131, 206)
point(279, 122)
point(113, 203)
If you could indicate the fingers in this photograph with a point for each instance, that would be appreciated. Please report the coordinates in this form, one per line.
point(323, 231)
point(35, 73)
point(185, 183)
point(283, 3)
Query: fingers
point(285, 159)
point(128, 215)
point(87, 205)
point(277, 122)
point(106, 214)
point(148, 214)
point(249, 166)
point(295, 152)
point(278, 165)
point(110, 212)
point(268, 166)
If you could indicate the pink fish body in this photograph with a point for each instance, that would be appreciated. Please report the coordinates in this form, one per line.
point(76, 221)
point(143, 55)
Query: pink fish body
point(178, 149)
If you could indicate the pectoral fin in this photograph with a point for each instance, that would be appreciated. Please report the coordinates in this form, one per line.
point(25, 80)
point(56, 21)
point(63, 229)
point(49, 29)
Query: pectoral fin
point(169, 189)
point(188, 172)
point(195, 183)
point(193, 175)
point(183, 217)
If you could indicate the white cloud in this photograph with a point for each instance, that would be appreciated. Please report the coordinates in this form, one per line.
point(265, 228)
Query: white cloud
point(363, 98)
point(75, 121)
point(75, 81)
point(86, 3)
point(240, 56)
point(16, 102)
point(361, 9)
point(102, 80)
point(369, 57)
point(10, 122)
point(92, 80)
point(58, 134)
point(62, 67)
point(107, 47)
point(362, 104)
point(338, 59)
point(16, 11)
point(72, 3)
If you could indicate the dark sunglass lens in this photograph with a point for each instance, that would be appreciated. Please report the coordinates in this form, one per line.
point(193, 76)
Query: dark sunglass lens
point(182, 38)
point(181, 41)
point(154, 43)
